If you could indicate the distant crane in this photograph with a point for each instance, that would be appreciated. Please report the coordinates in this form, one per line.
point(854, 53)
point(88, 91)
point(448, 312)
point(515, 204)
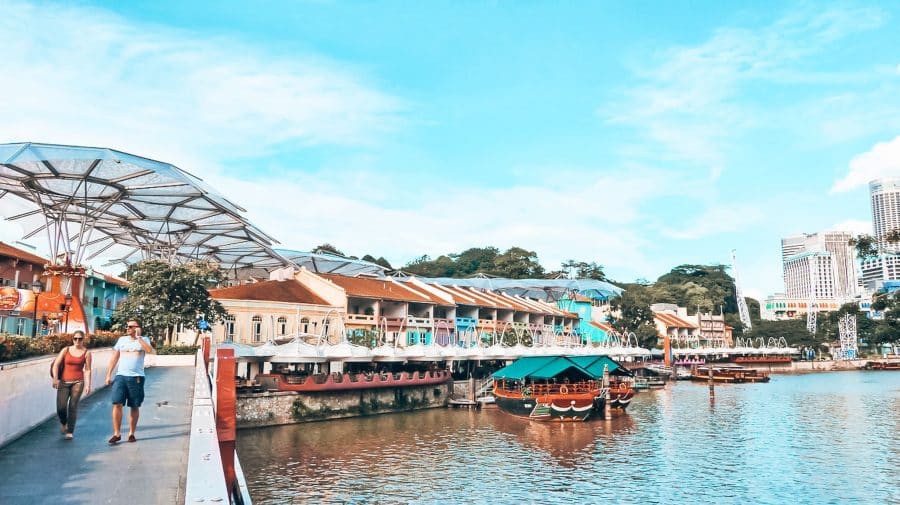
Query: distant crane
point(811, 305)
point(741, 303)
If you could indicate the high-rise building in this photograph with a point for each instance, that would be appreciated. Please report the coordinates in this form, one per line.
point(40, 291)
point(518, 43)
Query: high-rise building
point(885, 195)
point(822, 264)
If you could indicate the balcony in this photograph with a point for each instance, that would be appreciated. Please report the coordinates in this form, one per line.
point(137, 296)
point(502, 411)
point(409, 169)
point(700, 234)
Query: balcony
point(360, 319)
point(519, 326)
point(466, 323)
point(393, 322)
point(419, 322)
point(487, 323)
point(444, 324)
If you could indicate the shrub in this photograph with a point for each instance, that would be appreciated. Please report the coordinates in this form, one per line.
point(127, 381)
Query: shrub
point(177, 349)
point(16, 347)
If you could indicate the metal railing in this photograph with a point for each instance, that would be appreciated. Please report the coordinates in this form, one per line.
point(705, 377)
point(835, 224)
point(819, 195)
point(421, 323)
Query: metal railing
point(205, 481)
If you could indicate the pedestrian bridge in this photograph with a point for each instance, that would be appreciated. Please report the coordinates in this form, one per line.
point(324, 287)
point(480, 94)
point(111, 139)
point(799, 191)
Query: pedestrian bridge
point(176, 458)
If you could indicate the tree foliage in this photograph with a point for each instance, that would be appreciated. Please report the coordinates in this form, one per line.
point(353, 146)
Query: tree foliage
point(633, 313)
point(163, 296)
point(327, 248)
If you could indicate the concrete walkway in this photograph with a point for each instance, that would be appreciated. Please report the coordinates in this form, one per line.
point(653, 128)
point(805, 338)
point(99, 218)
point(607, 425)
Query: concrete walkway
point(42, 468)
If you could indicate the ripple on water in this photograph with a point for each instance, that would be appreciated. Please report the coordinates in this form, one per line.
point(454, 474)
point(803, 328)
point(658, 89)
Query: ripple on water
point(825, 438)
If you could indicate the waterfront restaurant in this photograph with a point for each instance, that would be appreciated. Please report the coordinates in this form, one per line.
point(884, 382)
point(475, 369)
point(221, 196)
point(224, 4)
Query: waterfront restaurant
point(292, 304)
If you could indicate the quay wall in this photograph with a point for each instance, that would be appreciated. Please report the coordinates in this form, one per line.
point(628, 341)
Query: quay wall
point(287, 407)
point(27, 397)
point(798, 367)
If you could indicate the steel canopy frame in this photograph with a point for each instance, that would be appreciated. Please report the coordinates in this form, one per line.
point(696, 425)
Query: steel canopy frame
point(95, 198)
point(332, 263)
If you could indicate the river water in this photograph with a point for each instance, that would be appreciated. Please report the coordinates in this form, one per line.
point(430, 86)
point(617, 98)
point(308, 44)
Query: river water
point(818, 438)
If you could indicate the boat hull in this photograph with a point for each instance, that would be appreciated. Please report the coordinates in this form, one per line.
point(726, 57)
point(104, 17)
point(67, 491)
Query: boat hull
point(555, 408)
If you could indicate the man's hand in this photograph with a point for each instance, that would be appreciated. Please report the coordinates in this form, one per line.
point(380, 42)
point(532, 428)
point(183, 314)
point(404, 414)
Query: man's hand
point(108, 380)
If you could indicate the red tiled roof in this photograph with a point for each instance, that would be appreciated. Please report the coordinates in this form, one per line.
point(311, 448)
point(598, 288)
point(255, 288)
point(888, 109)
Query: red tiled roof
point(673, 321)
point(115, 280)
point(289, 291)
point(15, 252)
point(365, 287)
point(433, 298)
point(458, 296)
point(603, 326)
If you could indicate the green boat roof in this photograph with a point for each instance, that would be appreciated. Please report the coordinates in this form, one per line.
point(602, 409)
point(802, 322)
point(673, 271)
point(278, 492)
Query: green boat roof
point(548, 367)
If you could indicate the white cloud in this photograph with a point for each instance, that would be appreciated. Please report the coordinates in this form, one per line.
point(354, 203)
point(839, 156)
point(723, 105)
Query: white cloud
point(594, 222)
point(882, 160)
point(854, 226)
point(691, 101)
point(83, 76)
point(717, 219)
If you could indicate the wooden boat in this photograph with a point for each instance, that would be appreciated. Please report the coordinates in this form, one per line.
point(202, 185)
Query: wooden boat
point(762, 359)
point(560, 388)
point(883, 365)
point(725, 372)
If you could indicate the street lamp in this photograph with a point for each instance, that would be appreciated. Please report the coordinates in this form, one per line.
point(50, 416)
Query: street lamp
point(36, 287)
point(68, 309)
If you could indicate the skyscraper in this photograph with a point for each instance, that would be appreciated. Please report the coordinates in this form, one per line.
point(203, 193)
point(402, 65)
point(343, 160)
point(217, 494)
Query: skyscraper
point(885, 195)
point(824, 262)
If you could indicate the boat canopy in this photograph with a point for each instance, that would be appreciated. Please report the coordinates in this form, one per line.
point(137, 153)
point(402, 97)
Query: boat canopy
point(549, 367)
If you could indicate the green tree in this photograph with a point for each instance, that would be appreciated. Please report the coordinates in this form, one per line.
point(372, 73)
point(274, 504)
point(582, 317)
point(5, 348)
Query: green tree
point(163, 296)
point(685, 281)
point(378, 261)
point(476, 260)
point(633, 314)
point(518, 263)
point(583, 270)
point(327, 248)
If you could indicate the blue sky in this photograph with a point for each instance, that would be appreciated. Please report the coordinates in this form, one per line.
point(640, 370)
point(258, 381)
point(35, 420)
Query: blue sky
point(640, 135)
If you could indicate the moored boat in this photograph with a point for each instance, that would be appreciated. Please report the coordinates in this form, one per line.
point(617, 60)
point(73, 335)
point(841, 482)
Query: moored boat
point(729, 373)
point(560, 388)
point(883, 365)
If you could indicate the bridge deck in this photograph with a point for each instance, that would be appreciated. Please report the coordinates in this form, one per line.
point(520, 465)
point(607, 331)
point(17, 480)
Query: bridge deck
point(41, 467)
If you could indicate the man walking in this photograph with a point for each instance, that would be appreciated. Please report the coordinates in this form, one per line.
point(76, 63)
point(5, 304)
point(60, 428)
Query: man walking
point(128, 386)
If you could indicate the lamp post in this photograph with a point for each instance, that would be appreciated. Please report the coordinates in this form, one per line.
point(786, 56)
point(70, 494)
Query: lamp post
point(36, 287)
point(68, 309)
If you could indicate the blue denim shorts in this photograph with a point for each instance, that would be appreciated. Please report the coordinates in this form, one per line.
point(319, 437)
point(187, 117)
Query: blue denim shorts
point(128, 391)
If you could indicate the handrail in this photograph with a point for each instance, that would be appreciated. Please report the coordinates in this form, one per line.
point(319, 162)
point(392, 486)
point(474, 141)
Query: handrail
point(205, 481)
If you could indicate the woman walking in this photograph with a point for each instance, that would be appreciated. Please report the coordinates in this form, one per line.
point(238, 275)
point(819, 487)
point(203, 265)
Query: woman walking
point(71, 377)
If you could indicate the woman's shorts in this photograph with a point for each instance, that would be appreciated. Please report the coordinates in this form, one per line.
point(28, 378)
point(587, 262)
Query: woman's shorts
point(128, 391)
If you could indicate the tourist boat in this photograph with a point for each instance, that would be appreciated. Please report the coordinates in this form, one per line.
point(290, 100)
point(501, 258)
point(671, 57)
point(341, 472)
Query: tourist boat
point(762, 359)
point(682, 374)
point(726, 372)
point(883, 365)
point(560, 388)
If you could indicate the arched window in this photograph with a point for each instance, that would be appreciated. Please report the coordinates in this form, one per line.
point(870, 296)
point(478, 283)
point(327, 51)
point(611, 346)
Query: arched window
point(304, 325)
point(282, 325)
point(229, 328)
point(256, 328)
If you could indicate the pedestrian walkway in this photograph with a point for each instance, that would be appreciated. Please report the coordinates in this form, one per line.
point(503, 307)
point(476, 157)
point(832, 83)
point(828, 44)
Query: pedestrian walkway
point(43, 468)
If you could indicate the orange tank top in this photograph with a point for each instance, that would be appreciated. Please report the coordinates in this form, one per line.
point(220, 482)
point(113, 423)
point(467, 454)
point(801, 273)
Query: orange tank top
point(73, 367)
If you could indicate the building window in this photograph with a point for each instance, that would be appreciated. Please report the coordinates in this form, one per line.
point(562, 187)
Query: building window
point(304, 325)
point(256, 328)
point(20, 326)
point(96, 302)
point(229, 328)
point(282, 325)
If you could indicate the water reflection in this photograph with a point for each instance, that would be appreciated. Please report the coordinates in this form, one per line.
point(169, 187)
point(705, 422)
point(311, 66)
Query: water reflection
point(570, 444)
point(826, 438)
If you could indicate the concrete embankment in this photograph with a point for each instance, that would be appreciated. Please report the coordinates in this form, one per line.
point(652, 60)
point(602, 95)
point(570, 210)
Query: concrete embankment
point(275, 408)
point(799, 367)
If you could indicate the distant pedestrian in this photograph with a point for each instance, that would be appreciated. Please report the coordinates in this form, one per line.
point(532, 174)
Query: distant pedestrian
point(71, 372)
point(128, 386)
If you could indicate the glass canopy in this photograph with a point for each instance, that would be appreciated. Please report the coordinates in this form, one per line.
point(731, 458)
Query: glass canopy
point(94, 199)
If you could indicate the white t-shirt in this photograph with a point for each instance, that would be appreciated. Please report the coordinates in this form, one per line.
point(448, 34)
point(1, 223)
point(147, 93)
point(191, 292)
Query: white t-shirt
point(131, 357)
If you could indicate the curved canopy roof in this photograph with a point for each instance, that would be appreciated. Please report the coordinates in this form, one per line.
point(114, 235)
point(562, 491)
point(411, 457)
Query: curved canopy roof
point(97, 198)
point(548, 289)
point(331, 263)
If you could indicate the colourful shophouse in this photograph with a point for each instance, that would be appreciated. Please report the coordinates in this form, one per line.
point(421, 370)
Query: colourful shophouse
point(299, 304)
point(102, 294)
